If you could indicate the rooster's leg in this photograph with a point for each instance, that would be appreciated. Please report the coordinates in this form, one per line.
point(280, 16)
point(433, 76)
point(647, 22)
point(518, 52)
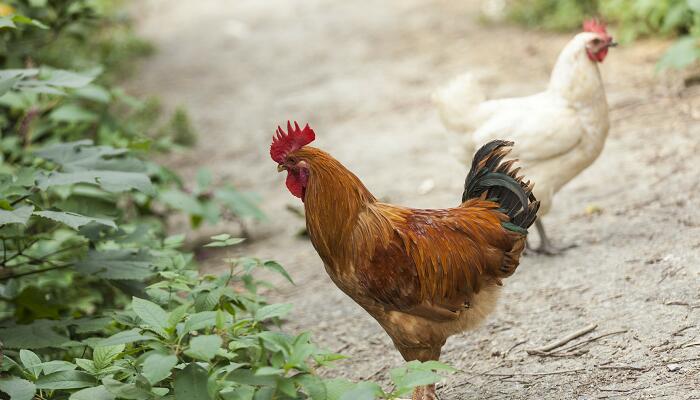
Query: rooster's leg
point(429, 393)
point(417, 393)
point(546, 246)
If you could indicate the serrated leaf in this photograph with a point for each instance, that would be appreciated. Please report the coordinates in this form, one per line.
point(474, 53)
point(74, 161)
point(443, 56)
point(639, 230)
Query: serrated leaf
point(16, 388)
point(200, 320)
point(86, 365)
point(74, 220)
point(124, 337)
point(157, 367)
point(17, 216)
point(272, 311)
point(65, 380)
point(191, 383)
point(105, 355)
point(176, 315)
point(152, 314)
point(93, 393)
point(204, 347)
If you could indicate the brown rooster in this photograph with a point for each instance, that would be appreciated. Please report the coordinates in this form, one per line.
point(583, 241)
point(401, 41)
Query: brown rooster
point(424, 275)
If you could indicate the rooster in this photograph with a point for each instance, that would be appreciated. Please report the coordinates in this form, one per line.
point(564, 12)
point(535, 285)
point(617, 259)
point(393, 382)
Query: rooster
point(558, 132)
point(424, 275)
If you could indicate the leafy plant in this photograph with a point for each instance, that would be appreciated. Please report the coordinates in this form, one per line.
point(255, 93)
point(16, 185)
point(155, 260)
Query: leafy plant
point(633, 19)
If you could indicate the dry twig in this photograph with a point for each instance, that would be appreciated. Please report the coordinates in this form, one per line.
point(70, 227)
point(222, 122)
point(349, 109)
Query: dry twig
point(562, 341)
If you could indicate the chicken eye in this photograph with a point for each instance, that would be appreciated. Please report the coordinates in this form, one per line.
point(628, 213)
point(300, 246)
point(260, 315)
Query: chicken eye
point(596, 41)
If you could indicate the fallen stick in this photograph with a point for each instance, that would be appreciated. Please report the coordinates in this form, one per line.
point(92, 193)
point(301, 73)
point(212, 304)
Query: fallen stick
point(593, 339)
point(563, 340)
point(566, 371)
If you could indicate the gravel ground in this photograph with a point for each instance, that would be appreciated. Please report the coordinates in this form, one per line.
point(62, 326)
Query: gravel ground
point(362, 73)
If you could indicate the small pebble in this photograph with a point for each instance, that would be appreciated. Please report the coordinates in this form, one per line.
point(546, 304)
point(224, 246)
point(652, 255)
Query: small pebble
point(673, 367)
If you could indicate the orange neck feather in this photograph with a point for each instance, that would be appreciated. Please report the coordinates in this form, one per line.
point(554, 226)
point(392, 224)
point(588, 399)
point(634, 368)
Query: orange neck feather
point(333, 200)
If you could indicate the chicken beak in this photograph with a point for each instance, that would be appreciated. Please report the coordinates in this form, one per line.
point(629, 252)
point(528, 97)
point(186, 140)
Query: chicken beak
point(612, 43)
point(281, 168)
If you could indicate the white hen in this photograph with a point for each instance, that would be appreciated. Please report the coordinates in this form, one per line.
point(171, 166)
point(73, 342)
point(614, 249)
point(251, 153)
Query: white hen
point(557, 133)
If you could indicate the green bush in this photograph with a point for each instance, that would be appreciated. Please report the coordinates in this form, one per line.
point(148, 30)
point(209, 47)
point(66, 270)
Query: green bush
point(633, 19)
point(96, 301)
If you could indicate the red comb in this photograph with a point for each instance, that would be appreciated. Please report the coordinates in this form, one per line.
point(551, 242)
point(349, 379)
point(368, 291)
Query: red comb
point(294, 139)
point(593, 25)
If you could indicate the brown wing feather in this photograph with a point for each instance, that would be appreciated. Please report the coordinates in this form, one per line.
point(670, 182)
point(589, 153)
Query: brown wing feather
point(431, 262)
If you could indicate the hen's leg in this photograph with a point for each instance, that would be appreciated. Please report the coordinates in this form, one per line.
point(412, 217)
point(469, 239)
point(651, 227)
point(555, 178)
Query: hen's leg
point(546, 246)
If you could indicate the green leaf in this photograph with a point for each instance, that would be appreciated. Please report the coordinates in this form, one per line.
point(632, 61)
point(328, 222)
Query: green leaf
point(312, 385)
point(157, 367)
point(39, 334)
point(104, 355)
point(225, 243)
point(74, 220)
point(17, 216)
point(204, 347)
point(117, 264)
point(130, 336)
point(200, 320)
point(362, 391)
point(275, 266)
point(6, 22)
point(272, 311)
point(21, 19)
point(125, 390)
point(111, 181)
point(65, 380)
point(176, 315)
point(50, 367)
point(152, 314)
point(242, 204)
point(67, 79)
point(182, 201)
point(93, 393)
point(31, 362)
point(191, 383)
point(86, 365)
point(683, 53)
point(71, 113)
point(16, 388)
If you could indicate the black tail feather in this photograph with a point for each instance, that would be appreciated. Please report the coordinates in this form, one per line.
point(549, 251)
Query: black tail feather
point(497, 181)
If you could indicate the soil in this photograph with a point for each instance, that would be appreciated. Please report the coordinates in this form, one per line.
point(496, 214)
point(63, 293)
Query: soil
point(362, 72)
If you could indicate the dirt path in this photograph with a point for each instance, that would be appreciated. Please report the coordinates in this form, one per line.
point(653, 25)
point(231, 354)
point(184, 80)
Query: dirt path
point(362, 72)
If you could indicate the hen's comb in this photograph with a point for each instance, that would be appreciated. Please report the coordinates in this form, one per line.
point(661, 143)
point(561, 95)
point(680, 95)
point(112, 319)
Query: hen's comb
point(593, 25)
point(295, 138)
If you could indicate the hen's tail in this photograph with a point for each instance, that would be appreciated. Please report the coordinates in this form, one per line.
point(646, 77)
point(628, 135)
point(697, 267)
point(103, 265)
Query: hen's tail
point(456, 101)
point(497, 181)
